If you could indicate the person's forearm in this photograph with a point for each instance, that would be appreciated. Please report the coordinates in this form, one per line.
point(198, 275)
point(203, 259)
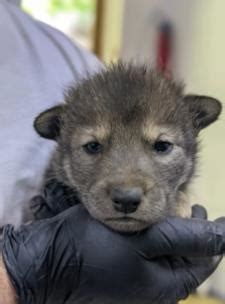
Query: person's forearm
point(7, 293)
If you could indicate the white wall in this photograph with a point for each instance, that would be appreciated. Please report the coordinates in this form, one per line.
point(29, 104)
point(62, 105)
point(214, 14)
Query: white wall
point(140, 24)
point(111, 31)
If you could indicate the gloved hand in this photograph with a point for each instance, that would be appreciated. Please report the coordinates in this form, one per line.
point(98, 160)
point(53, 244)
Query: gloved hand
point(56, 198)
point(72, 258)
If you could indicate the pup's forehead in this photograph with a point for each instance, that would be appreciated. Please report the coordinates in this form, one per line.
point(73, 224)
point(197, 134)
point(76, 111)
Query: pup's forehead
point(122, 89)
point(126, 97)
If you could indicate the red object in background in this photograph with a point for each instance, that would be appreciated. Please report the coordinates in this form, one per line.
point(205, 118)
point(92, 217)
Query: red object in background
point(164, 48)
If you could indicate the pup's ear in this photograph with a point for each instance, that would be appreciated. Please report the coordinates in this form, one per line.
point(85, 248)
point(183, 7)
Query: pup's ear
point(204, 110)
point(48, 123)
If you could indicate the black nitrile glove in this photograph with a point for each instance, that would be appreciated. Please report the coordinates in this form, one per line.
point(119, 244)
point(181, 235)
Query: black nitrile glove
point(73, 258)
point(56, 198)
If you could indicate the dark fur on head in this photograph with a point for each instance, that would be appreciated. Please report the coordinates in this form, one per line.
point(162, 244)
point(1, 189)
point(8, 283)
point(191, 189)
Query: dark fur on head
point(145, 130)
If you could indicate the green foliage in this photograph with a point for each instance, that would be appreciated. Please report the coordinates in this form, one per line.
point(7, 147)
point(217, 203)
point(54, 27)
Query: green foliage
point(83, 6)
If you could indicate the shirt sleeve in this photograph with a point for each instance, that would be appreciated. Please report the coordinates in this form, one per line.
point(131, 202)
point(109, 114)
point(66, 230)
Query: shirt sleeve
point(16, 2)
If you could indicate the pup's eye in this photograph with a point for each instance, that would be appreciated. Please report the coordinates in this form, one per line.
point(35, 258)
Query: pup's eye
point(92, 147)
point(163, 147)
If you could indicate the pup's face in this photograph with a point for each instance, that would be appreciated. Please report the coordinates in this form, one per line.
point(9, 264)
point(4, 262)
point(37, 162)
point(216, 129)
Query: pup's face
point(127, 145)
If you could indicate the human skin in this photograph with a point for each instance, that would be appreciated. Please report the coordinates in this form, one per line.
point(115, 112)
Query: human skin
point(7, 292)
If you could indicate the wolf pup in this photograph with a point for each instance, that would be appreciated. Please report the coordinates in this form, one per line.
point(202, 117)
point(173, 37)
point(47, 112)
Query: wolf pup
point(127, 144)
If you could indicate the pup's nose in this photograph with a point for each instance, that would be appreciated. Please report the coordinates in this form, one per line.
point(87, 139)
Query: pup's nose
point(126, 200)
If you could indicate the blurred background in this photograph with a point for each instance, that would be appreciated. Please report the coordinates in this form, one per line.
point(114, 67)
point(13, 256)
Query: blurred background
point(183, 38)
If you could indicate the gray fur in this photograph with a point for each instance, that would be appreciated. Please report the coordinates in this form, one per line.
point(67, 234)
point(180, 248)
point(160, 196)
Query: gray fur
point(131, 107)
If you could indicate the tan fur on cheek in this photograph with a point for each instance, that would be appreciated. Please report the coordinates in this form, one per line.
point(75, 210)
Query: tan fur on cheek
point(184, 207)
point(68, 170)
point(7, 293)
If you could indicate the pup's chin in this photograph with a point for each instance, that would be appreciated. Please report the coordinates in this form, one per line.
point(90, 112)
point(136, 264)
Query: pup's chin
point(119, 223)
point(128, 225)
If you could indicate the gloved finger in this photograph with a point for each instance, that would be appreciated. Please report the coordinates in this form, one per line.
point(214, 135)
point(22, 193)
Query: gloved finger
point(220, 220)
point(39, 206)
point(56, 199)
point(182, 237)
point(199, 211)
point(193, 273)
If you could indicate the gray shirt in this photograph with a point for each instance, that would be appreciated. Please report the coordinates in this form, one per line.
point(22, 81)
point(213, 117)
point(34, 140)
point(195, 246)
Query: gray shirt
point(37, 63)
point(17, 2)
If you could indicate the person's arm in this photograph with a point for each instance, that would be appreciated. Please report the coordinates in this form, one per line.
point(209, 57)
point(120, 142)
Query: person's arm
point(7, 292)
